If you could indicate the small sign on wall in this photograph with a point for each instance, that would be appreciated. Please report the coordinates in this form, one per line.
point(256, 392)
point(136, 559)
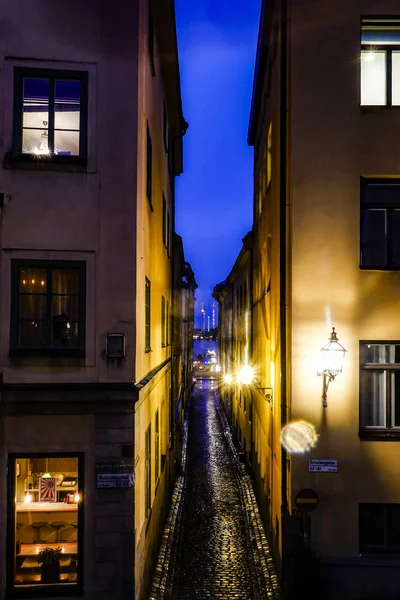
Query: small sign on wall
point(318, 465)
point(115, 480)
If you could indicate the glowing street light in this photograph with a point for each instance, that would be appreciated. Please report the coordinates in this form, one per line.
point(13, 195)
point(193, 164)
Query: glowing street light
point(246, 375)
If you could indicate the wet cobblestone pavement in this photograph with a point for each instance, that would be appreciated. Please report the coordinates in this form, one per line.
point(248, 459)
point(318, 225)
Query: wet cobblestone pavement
point(214, 546)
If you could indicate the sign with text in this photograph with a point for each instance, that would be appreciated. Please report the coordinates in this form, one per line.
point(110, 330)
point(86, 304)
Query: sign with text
point(115, 480)
point(322, 466)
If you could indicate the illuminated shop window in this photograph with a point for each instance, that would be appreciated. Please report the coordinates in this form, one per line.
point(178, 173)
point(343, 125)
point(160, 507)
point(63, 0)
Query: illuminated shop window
point(46, 503)
point(380, 386)
point(380, 224)
point(380, 62)
point(50, 120)
point(48, 306)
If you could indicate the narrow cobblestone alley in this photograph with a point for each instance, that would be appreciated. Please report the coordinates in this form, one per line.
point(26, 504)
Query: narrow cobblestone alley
point(214, 545)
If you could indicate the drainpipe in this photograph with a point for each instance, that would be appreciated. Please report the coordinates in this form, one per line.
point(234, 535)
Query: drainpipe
point(283, 252)
point(182, 132)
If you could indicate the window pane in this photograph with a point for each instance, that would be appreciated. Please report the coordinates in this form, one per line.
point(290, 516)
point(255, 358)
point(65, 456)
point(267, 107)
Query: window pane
point(33, 333)
point(32, 280)
point(35, 141)
point(393, 527)
point(372, 398)
point(380, 353)
point(65, 331)
point(66, 143)
point(373, 78)
point(33, 307)
point(396, 78)
point(395, 236)
point(65, 281)
point(46, 516)
point(35, 117)
point(35, 102)
point(66, 306)
point(373, 238)
point(395, 398)
point(381, 193)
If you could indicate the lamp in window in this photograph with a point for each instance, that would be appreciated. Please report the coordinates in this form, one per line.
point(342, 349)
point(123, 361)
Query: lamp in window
point(332, 357)
point(43, 147)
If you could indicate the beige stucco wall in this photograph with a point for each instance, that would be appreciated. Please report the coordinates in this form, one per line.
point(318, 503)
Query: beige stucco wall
point(334, 142)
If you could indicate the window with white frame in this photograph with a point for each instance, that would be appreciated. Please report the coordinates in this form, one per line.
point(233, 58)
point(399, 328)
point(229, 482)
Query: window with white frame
point(380, 385)
point(380, 61)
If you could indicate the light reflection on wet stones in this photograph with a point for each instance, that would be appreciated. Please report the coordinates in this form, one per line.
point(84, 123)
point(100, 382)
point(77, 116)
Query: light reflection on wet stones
point(216, 548)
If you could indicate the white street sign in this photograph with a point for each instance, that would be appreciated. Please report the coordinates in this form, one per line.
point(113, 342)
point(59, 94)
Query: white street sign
point(115, 480)
point(322, 466)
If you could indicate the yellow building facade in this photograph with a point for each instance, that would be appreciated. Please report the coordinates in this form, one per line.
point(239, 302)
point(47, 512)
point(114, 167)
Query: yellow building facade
point(324, 116)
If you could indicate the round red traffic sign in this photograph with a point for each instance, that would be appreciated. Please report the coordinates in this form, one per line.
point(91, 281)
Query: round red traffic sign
point(306, 500)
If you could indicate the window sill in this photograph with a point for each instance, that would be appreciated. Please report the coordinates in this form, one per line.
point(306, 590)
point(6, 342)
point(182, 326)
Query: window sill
point(370, 108)
point(28, 162)
point(380, 268)
point(48, 591)
point(379, 434)
point(46, 352)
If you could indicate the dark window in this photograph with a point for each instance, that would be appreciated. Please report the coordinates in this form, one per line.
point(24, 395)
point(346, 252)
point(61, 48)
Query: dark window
point(163, 322)
point(157, 448)
point(380, 62)
point(164, 222)
point(35, 480)
point(149, 167)
point(165, 128)
point(167, 322)
point(379, 528)
point(150, 41)
point(169, 235)
point(379, 385)
point(50, 115)
point(380, 224)
point(147, 486)
point(147, 315)
point(48, 307)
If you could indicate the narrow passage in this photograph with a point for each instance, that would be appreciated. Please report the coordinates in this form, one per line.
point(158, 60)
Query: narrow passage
point(219, 549)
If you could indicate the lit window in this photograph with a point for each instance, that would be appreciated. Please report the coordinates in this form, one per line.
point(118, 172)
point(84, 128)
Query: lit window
point(147, 315)
point(50, 119)
point(48, 307)
point(380, 62)
point(149, 167)
point(147, 486)
point(380, 224)
point(380, 386)
point(163, 323)
point(46, 497)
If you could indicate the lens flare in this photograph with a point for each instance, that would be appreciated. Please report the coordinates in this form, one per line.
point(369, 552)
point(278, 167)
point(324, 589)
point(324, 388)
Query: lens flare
point(228, 378)
point(246, 375)
point(299, 437)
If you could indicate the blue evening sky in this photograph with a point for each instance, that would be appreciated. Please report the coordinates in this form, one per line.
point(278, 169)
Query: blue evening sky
point(217, 47)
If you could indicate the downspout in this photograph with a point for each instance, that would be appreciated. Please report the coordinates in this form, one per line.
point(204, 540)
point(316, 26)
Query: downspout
point(184, 128)
point(250, 249)
point(283, 252)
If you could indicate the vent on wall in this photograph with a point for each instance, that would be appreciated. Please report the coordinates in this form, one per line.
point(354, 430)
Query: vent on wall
point(115, 345)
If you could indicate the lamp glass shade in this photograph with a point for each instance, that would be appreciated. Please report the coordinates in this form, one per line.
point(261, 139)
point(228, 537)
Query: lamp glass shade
point(332, 356)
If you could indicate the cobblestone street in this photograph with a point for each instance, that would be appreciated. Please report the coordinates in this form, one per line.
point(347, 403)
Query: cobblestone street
point(214, 545)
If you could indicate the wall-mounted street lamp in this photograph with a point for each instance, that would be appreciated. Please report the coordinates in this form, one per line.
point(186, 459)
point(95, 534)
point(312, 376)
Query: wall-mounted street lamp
point(245, 376)
point(332, 355)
